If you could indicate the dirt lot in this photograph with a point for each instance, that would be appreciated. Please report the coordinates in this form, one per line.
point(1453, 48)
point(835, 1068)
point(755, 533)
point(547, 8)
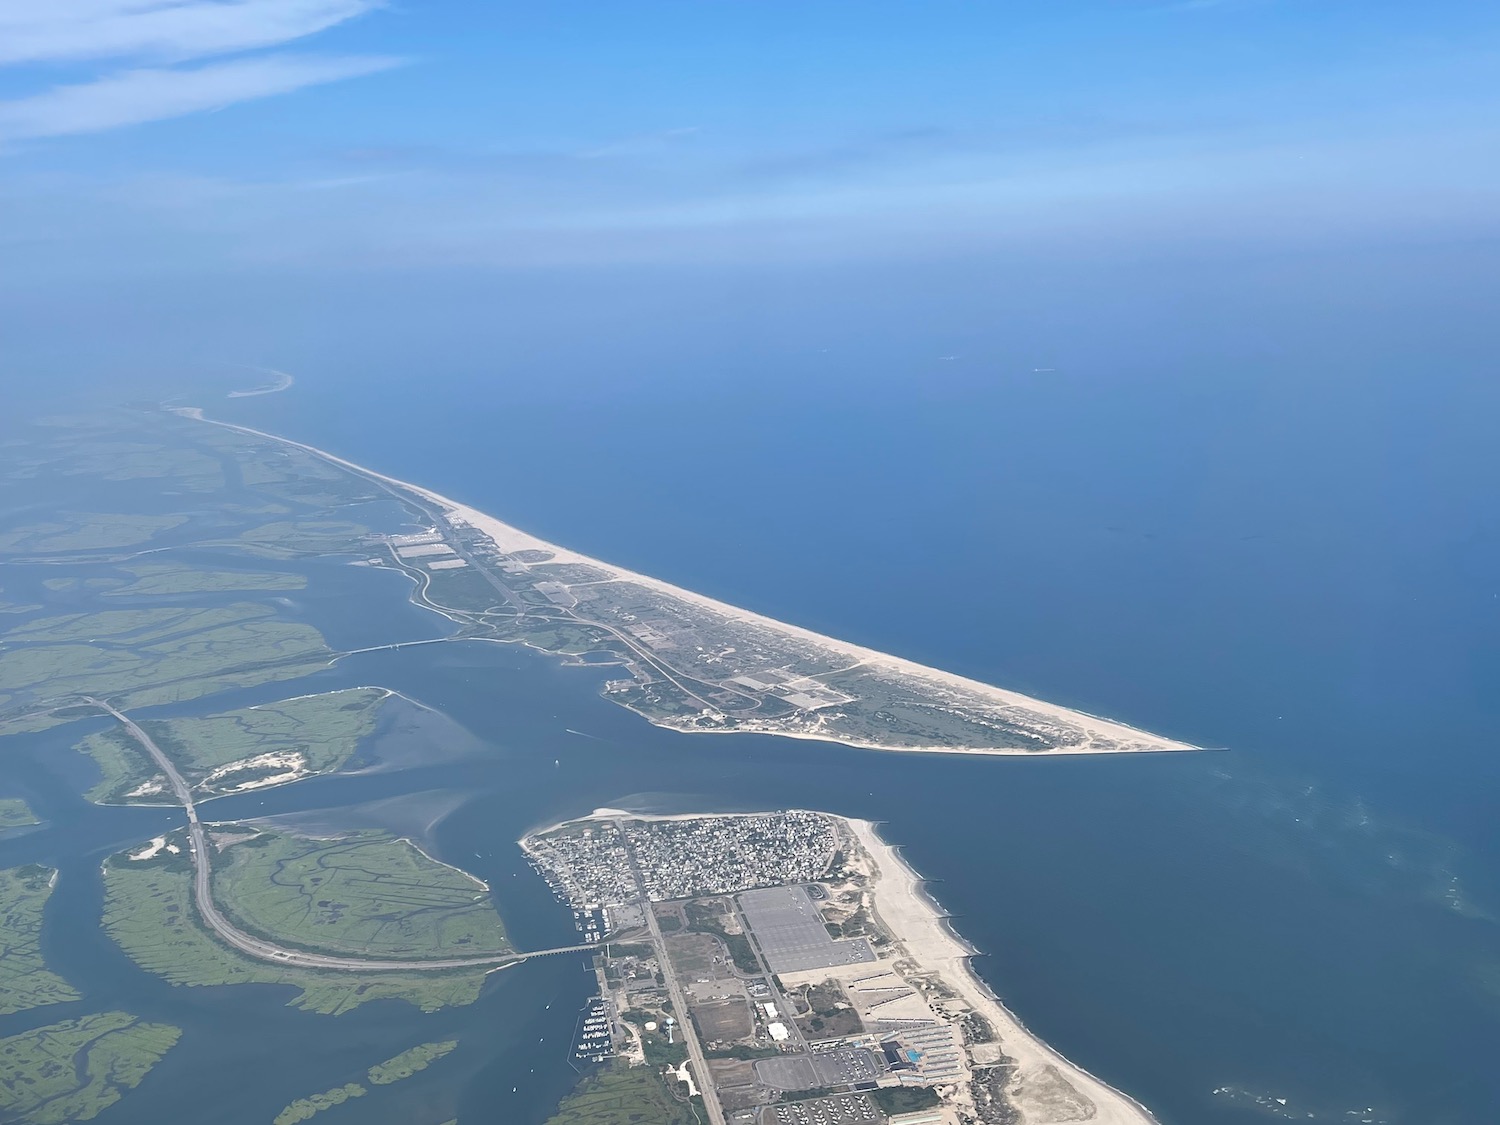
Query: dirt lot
point(735, 1081)
point(693, 955)
point(829, 1015)
point(724, 1021)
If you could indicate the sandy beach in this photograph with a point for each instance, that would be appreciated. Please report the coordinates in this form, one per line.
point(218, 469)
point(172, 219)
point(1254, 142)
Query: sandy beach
point(1105, 735)
point(914, 921)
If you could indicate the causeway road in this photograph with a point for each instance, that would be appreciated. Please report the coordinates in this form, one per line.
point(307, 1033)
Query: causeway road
point(259, 948)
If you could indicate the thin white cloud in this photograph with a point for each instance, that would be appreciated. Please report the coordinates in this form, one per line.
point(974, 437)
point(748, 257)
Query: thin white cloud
point(138, 96)
point(59, 30)
point(157, 38)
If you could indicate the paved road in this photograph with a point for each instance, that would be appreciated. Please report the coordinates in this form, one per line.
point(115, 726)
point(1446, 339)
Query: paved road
point(259, 948)
point(679, 1003)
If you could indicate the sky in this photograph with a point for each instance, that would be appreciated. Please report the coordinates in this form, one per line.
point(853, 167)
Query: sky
point(158, 145)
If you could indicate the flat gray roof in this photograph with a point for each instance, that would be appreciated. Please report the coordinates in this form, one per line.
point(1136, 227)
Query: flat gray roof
point(791, 933)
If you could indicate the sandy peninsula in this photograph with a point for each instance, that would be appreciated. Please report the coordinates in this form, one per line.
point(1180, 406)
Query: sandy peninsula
point(1069, 731)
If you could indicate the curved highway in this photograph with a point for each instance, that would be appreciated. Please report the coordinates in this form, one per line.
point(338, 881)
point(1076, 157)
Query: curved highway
point(259, 948)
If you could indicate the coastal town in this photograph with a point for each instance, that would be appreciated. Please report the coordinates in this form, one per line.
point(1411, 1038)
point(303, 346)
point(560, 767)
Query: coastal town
point(784, 969)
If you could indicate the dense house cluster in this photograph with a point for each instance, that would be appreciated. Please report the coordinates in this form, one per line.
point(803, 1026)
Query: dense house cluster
point(586, 865)
point(590, 865)
point(723, 854)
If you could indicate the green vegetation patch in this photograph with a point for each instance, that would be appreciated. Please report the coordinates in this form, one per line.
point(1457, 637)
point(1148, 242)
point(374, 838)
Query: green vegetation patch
point(85, 531)
point(743, 1051)
point(75, 583)
point(149, 912)
point(410, 1062)
point(292, 538)
point(707, 918)
point(15, 813)
point(236, 750)
point(134, 627)
point(905, 1099)
point(154, 579)
point(308, 735)
point(125, 772)
point(120, 460)
point(371, 895)
point(73, 1070)
point(303, 1108)
point(25, 981)
point(141, 657)
point(620, 1095)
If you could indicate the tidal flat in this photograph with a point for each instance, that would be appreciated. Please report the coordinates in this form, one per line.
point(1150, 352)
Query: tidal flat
point(25, 980)
point(149, 912)
point(74, 1070)
point(620, 1095)
point(409, 1062)
point(175, 579)
point(366, 894)
point(15, 813)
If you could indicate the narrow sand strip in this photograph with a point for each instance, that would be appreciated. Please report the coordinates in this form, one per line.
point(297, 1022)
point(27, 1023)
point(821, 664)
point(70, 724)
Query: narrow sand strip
point(510, 540)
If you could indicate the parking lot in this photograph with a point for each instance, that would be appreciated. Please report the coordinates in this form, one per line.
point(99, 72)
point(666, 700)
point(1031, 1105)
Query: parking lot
point(841, 1109)
point(791, 934)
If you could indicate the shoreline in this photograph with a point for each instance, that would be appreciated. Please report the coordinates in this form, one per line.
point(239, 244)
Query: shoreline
point(510, 539)
point(917, 922)
point(905, 908)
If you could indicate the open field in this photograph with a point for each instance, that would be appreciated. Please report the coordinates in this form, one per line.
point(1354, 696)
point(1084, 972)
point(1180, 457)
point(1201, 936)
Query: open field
point(410, 1062)
point(71, 1071)
point(620, 1095)
point(25, 981)
point(303, 1108)
point(15, 813)
point(149, 912)
point(370, 895)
